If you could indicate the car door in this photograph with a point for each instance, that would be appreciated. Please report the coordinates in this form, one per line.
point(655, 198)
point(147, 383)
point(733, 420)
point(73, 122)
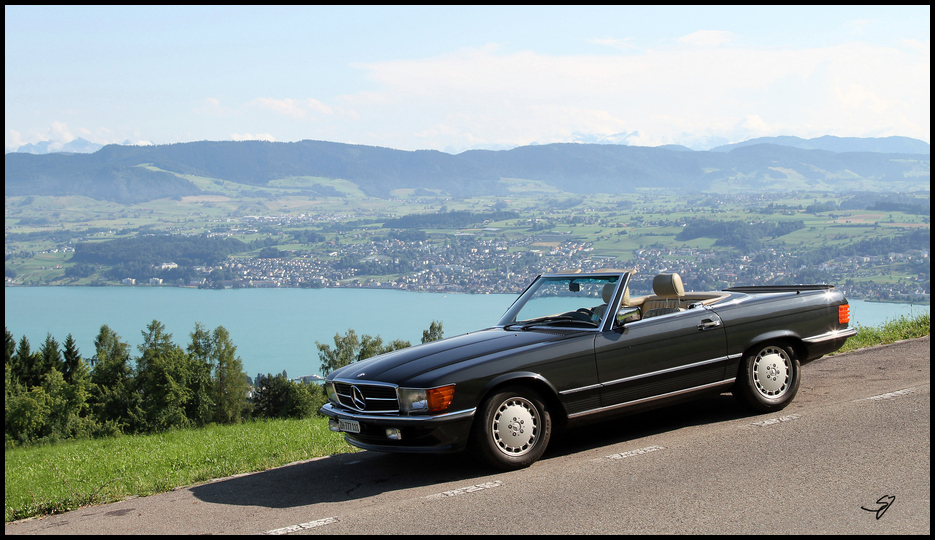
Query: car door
point(660, 355)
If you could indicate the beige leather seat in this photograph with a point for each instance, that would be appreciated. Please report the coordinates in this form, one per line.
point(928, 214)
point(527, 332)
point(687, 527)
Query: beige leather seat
point(668, 293)
point(606, 294)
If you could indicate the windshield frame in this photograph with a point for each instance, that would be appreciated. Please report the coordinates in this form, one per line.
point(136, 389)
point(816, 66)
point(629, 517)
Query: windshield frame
point(508, 320)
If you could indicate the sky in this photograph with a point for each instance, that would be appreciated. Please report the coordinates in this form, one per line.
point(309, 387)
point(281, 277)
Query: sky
point(457, 78)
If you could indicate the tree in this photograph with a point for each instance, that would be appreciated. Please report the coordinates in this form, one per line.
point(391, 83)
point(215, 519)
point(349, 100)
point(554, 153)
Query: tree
point(350, 348)
point(25, 365)
point(345, 351)
point(163, 376)
point(278, 397)
point(50, 357)
point(230, 382)
point(9, 347)
point(200, 409)
point(72, 358)
point(113, 401)
point(434, 332)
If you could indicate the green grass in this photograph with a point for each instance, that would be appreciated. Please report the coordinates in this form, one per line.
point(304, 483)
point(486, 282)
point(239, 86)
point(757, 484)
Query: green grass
point(891, 331)
point(65, 476)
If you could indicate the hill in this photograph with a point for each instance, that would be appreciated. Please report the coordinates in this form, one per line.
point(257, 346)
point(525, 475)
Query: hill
point(139, 173)
point(887, 145)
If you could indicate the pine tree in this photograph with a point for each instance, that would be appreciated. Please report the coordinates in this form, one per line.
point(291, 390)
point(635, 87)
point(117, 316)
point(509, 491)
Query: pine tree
point(71, 359)
point(50, 357)
point(230, 381)
point(113, 401)
point(201, 357)
point(163, 377)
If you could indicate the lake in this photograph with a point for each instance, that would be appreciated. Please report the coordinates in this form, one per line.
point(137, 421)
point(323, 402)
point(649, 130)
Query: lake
point(274, 329)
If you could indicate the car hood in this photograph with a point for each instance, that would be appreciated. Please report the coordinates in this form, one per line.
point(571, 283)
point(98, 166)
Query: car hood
point(402, 366)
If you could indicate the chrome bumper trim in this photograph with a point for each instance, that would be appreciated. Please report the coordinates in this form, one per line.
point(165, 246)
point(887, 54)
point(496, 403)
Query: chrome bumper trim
point(828, 336)
point(328, 409)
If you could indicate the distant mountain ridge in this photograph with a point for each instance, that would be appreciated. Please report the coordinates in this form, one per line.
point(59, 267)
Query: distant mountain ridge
point(886, 145)
point(140, 173)
point(76, 146)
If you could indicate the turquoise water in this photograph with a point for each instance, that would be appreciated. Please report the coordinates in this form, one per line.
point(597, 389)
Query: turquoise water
point(274, 329)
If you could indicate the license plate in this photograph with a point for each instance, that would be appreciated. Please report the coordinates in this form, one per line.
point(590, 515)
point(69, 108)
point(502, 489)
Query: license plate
point(349, 426)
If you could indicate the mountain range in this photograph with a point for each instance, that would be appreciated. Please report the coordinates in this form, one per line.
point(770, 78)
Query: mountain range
point(132, 174)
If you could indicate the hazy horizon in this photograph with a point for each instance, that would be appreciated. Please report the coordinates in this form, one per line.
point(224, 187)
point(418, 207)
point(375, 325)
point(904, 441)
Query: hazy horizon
point(459, 78)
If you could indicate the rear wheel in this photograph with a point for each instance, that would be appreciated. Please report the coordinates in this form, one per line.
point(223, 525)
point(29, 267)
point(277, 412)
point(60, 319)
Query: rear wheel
point(768, 378)
point(513, 428)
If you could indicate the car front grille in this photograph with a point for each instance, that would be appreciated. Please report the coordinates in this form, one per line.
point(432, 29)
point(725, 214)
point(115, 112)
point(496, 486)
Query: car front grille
point(370, 398)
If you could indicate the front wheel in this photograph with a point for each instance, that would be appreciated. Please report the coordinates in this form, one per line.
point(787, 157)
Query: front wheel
point(768, 378)
point(513, 428)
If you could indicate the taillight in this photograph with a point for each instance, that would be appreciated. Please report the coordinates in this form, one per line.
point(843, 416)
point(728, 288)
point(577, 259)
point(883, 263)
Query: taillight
point(844, 314)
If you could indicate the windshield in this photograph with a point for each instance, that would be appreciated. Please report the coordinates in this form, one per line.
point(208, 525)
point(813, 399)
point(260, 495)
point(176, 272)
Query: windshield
point(571, 300)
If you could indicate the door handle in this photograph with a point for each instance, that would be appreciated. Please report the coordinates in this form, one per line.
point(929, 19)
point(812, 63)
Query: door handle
point(707, 324)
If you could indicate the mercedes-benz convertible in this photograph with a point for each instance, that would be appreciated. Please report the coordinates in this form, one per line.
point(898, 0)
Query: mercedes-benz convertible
point(580, 346)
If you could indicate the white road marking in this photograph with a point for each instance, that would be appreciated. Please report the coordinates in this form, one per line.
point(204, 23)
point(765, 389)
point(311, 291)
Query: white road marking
point(889, 395)
point(469, 489)
point(772, 421)
point(303, 526)
point(637, 452)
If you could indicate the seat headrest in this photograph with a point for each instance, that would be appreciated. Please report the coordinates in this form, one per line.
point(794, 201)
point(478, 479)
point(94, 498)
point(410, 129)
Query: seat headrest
point(608, 292)
point(625, 301)
point(668, 286)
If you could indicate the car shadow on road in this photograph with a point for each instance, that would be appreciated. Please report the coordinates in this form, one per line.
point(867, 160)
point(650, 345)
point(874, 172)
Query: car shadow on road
point(341, 477)
point(704, 411)
point(347, 477)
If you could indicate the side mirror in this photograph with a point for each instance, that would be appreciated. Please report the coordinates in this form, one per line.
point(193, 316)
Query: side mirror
point(628, 314)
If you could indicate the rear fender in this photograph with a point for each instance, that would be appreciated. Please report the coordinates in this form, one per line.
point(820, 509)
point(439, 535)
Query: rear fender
point(784, 336)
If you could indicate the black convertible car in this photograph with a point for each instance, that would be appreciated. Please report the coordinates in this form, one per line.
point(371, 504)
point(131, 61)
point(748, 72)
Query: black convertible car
point(578, 346)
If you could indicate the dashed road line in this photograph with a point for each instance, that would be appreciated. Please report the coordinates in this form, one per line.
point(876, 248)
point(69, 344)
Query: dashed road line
point(889, 395)
point(303, 526)
point(462, 491)
point(631, 453)
point(772, 421)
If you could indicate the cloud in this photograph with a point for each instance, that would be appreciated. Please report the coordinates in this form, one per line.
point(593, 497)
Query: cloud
point(703, 90)
point(293, 108)
point(617, 43)
point(59, 132)
point(285, 107)
point(212, 107)
point(707, 38)
point(252, 137)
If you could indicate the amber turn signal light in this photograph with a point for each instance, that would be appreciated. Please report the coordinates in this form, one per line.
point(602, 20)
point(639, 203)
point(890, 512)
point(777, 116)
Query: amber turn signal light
point(844, 314)
point(440, 398)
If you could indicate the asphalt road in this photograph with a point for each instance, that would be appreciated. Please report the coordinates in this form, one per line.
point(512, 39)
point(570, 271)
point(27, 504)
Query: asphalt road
point(850, 455)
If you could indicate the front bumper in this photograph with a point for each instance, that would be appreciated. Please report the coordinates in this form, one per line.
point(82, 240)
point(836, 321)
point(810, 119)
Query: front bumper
point(426, 434)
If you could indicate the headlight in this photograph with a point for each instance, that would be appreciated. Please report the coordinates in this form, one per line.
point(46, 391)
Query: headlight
point(425, 401)
point(329, 389)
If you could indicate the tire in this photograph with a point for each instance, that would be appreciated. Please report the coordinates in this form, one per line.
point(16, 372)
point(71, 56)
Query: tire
point(513, 428)
point(768, 378)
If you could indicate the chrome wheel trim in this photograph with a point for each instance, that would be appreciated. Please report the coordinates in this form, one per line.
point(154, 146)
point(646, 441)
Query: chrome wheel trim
point(772, 372)
point(515, 426)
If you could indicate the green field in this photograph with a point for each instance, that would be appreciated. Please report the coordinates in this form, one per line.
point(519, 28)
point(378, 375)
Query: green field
point(615, 225)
